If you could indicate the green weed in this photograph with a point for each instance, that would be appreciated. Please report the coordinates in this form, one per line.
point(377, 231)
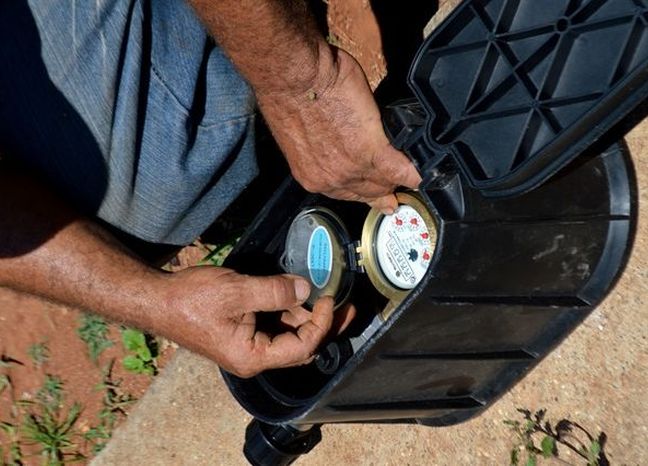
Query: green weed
point(143, 349)
point(50, 394)
point(53, 434)
point(5, 379)
point(564, 433)
point(15, 455)
point(46, 425)
point(5, 382)
point(218, 253)
point(114, 402)
point(98, 437)
point(93, 331)
point(39, 354)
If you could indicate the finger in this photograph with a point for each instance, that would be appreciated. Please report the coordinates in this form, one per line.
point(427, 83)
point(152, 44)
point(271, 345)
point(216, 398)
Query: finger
point(313, 331)
point(295, 317)
point(386, 204)
point(289, 349)
point(361, 190)
point(397, 168)
point(343, 317)
point(272, 293)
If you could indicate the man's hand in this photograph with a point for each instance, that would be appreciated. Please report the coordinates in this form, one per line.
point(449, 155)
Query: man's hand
point(333, 137)
point(212, 311)
point(48, 250)
point(315, 98)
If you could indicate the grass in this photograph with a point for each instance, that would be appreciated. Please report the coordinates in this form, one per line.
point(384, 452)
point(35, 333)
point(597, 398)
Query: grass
point(42, 424)
point(114, 401)
point(534, 428)
point(5, 382)
point(93, 331)
point(143, 352)
point(14, 455)
point(39, 354)
point(50, 395)
point(54, 433)
point(5, 379)
point(218, 253)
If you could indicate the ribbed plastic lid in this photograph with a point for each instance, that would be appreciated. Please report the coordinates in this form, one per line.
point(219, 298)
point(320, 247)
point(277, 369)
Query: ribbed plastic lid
point(516, 89)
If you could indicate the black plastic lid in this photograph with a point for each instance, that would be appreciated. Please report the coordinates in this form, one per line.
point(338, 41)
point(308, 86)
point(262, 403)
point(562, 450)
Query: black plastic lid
point(515, 89)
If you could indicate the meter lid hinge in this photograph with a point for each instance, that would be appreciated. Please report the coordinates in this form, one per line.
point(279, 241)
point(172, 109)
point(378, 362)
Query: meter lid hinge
point(404, 123)
point(355, 257)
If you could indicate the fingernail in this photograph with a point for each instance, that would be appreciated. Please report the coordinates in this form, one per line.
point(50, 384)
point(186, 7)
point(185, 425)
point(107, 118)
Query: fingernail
point(387, 211)
point(302, 289)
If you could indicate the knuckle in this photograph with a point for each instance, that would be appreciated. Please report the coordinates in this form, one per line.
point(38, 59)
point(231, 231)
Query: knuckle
point(339, 183)
point(244, 370)
point(230, 295)
point(281, 291)
point(310, 185)
point(310, 188)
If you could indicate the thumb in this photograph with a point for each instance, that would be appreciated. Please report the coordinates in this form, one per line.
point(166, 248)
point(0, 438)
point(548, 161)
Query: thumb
point(397, 167)
point(273, 293)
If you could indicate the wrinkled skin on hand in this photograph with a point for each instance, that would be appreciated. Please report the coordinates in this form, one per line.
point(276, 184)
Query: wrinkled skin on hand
point(320, 108)
point(333, 138)
point(214, 314)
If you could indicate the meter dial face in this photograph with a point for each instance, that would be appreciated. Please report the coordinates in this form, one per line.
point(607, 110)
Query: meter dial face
point(315, 249)
point(397, 250)
point(403, 247)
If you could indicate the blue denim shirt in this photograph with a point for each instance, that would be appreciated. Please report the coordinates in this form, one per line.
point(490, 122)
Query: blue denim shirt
point(129, 108)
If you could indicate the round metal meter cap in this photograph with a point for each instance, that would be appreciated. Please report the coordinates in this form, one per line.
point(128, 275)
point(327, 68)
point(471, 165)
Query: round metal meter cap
point(315, 249)
point(397, 249)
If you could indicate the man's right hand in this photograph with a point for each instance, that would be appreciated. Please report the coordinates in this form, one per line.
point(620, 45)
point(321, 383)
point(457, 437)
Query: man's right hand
point(334, 140)
point(212, 311)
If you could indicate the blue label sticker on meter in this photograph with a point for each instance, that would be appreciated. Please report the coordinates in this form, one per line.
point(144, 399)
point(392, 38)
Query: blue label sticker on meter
point(320, 257)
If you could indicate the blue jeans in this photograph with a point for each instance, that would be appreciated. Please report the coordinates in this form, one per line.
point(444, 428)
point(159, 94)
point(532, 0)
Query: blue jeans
point(129, 109)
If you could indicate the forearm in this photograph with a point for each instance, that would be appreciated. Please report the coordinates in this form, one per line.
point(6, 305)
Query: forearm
point(275, 44)
point(48, 250)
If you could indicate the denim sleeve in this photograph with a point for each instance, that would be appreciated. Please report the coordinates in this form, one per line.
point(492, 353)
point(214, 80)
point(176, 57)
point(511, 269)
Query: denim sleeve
point(129, 108)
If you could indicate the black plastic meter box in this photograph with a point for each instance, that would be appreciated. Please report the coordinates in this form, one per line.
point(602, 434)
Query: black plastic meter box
point(522, 223)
